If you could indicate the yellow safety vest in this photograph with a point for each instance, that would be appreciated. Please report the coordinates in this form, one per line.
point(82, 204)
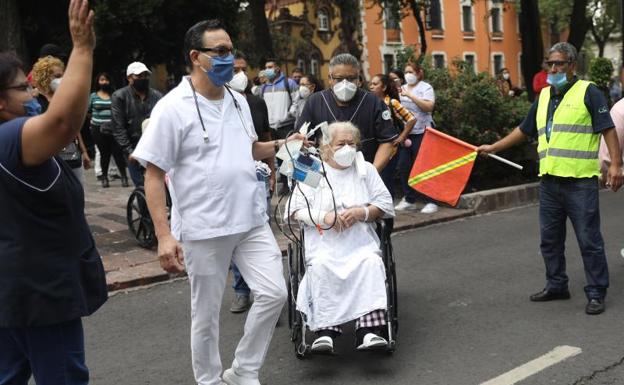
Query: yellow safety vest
point(573, 147)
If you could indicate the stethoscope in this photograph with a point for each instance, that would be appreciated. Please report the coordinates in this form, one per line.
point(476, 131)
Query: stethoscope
point(239, 110)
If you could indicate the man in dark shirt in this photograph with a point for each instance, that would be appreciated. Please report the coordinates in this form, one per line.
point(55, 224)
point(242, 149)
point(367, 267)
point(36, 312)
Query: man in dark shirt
point(568, 119)
point(130, 106)
point(345, 102)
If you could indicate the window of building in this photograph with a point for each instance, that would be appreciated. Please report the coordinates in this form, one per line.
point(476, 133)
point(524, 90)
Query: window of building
point(496, 15)
point(323, 19)
point(466, 11)
point(498, 62)
point(393, 16)
point(301, 63)
point(314, 66)
point(388, 62)
point(471, 60)
point(439, 60)
point(434, 15)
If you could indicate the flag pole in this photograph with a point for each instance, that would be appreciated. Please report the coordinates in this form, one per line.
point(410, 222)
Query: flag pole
point(503, 160)
point(472, 147)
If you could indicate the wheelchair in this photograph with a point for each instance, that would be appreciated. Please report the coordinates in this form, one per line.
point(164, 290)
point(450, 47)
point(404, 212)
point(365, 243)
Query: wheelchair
point(140, 222)
point(296, 270)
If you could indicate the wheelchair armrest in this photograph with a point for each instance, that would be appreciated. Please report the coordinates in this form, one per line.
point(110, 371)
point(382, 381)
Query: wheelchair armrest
point(384, 227)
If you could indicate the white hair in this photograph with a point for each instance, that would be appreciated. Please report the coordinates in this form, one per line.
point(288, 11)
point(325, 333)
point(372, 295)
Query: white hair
point(344, 59)
point(329, 134)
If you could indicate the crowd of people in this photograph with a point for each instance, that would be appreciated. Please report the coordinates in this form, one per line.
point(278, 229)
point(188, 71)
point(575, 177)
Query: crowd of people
point(213, 139)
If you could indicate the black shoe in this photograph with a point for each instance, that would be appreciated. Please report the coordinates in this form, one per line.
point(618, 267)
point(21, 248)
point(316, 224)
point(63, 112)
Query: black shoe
point(546, 295)
point(595, 306)
point(99, 177)
point(105, 183)
point(124, 181)
point(284, 191)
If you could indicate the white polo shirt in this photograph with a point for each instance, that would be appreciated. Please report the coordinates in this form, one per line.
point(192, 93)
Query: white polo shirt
point(213, 184)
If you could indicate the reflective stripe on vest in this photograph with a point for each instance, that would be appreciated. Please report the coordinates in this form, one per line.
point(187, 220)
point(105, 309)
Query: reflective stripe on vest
point(573, 147)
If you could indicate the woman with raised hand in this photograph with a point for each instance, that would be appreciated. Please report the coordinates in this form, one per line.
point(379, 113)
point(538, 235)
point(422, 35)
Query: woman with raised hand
point(51, 274)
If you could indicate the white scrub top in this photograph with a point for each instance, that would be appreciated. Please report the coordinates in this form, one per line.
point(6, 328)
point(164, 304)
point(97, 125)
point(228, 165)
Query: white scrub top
point(213, 184)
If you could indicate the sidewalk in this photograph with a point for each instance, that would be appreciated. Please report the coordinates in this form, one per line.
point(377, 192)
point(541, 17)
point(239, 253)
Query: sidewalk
point(128, 265)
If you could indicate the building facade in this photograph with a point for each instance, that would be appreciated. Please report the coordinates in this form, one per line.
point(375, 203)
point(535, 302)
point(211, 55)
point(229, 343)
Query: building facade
point(484, 33)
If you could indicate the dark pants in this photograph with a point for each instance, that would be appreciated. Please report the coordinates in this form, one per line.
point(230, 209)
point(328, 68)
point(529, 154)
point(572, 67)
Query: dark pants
point(53, 355)
point(407, 156)
point(108, 146)
point(388, 174)
point(282, 133)
point(577, 199)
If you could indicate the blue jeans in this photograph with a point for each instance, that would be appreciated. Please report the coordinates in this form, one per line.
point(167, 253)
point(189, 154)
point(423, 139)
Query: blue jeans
point(136, 173)
point(239, 285)
point(53, 355)
point(577, 199)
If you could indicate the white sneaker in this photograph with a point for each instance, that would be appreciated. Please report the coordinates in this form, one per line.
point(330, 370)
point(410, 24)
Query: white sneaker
point(429, 208)
point(404, 205)
point(231, 378)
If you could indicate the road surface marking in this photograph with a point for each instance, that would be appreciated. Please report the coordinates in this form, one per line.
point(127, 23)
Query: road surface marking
point(558, 354)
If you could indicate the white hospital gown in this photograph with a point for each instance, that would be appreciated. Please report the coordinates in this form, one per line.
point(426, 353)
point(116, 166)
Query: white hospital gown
point(345, 275)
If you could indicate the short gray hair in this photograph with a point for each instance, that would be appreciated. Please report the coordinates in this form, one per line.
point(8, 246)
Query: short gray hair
point(332, 129)
point(344, 59)
point(565, 48)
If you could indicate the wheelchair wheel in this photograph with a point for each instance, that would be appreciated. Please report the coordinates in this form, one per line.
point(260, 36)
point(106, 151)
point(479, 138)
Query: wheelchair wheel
point(295, 321)
point(139, 220)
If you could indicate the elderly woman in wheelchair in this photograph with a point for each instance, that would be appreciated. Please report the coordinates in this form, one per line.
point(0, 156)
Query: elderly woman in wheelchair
point(344, 273)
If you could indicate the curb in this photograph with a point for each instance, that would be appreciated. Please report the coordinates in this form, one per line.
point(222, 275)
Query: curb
point(471, 204)
point(501, 198)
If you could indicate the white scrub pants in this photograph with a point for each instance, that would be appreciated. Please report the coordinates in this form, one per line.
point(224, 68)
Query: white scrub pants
point(260, 262)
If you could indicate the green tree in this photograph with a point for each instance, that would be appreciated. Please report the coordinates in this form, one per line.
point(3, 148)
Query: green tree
point(600, 70)
point(604, 16)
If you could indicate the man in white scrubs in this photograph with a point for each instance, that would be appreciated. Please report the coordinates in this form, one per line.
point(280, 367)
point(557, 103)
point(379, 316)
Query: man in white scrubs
point(202, 136)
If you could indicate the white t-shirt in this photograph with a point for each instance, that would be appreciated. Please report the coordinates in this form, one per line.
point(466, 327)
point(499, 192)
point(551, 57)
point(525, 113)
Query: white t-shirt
point(213, 184)
point(422, 90)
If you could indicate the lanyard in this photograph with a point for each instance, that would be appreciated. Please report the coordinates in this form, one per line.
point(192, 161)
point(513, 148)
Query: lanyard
point(332, 113)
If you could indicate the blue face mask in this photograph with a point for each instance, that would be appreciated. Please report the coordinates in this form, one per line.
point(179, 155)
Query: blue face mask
point(32, 107)
point(270, 73)
point(557, 80)
point(222, 70)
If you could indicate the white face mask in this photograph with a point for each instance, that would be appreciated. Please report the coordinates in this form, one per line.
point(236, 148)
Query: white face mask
point(345, 90)
point(239, 82)
point(304, 92)
point(345, 155)
point(54, 84)
point(411, 79)
point(506, 76)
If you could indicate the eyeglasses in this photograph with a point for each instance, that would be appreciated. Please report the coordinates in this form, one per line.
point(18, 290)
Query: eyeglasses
point(24, 87)
point(221, 51)
point(556, 63)
point(341, 78)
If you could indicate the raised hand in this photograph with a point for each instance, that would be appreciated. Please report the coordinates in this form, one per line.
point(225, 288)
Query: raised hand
point(81, 24)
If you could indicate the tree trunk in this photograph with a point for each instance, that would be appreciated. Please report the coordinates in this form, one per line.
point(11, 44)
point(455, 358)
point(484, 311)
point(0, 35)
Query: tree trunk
point(264, 42)
point(421, 27)
point(349, 25)
point(579, 24)
point(532, 45)
point(11, 38)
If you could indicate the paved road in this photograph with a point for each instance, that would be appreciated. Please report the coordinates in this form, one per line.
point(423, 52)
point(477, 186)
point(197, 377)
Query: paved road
point(464, 311)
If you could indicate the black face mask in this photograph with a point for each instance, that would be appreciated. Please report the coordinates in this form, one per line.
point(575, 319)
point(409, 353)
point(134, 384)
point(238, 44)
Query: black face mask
point(105, 87)
point(141, 85)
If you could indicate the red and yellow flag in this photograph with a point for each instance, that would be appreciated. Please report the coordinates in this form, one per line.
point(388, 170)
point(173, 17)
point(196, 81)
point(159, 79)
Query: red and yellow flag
point(442, 167)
